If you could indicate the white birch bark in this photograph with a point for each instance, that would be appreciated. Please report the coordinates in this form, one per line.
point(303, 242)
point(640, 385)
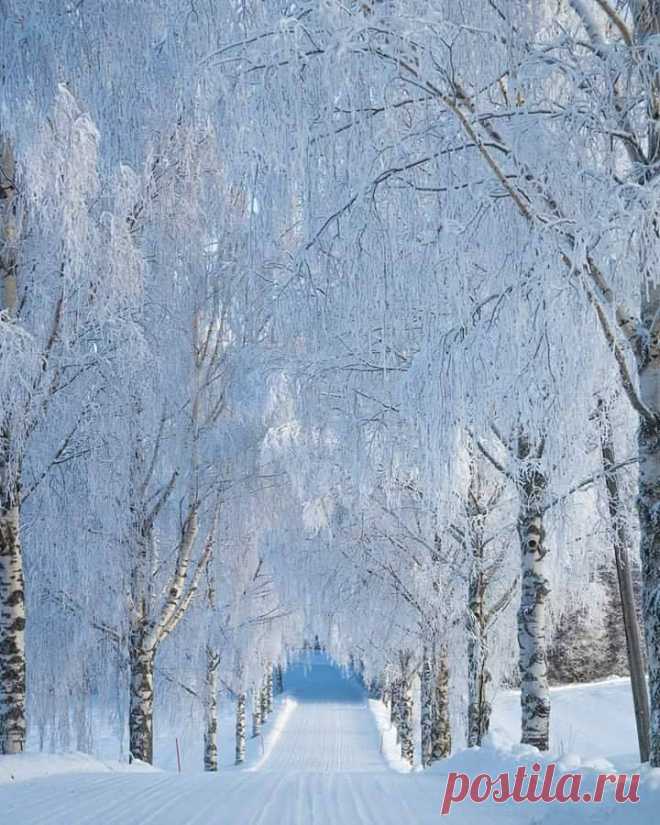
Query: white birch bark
point(406, 738)
point(533, 664)
point(479, 708)
point(441, 739)
point(395, 708)
point(211, 711)
point(147, 634)
point(279, 679)
point(141, 704)
point(644, 336)
point(480, 615)
point(649, 512)
point(13, 725)
point(12, 633)
point(263, 700)
point(141, 654)
point(256, 712)
point(269, 690)
point(426, 700)
point(241, 702)
point(405, 710)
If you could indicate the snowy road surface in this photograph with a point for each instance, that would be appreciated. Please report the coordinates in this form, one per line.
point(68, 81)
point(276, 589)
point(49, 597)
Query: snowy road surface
point(324, 765)
point(330, 729)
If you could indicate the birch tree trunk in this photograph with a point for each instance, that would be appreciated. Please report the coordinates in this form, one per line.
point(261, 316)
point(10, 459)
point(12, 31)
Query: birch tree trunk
point(141, 705)
point(426, 700)
point(479, 709)
point(13, 724)
point(256, 712)
point(269, 690)
point(441, 738)
point(649, 510)
point(241, 701)
point(533, 665)
point(211, 711)
point(646, 344)
point(279, 679)
point(406, 720)
point(154, 617)
point(263, 700)
point(395, 708)
point(84, 721)
point(12, 631)
point(147, 633)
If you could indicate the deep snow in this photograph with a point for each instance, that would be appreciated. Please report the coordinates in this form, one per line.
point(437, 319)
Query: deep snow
point(327, 757)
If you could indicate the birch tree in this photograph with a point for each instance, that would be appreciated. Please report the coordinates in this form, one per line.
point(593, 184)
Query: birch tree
point(326, 276)
point(485, 603)
point(51, 309)
point(12, 616)
point(628, 140)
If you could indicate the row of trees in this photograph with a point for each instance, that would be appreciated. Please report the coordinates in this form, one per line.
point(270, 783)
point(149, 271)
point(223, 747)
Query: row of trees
point(352, 330)
point(134, 344)
point(471, 291)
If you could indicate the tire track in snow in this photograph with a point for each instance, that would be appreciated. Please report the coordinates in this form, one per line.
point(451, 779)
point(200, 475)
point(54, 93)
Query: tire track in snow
point(322, 767)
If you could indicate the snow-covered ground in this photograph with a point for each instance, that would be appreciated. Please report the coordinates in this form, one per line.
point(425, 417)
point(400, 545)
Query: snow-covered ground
point(591, 720)
point(326, 757)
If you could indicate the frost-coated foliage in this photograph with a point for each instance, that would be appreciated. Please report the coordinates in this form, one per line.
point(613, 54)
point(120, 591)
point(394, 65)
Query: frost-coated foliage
point(309, 315)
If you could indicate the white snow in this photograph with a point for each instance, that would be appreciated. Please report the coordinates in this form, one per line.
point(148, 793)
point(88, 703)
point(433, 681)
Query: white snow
point(593, 720)
point(387, 744)
point(324, 761)
point(270, 737)
point(27, 766)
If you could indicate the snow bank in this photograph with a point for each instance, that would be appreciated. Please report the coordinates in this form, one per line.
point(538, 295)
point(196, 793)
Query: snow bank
point(495, 759)
point(191, 743)
point(24, 767)
point(592, 732)
point(273, 732)
point(594, 719)
point(389, 747)
point(323, 767)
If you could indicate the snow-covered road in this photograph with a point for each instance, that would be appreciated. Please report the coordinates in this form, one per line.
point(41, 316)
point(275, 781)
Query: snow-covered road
point(270, 798)
point(330, 729)
point(322, 766)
